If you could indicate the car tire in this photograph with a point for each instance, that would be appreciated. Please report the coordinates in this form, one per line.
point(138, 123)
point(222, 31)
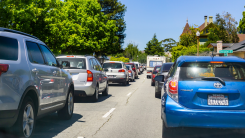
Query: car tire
point(157, 95)
point(152, 83)
point(67, 111)
point(26, 120)
point(105, 92)
point(128, 82)
point(125, 83)
point(95, 97)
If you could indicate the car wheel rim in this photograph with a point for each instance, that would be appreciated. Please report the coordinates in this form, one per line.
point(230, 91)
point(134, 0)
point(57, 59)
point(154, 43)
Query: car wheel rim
point(70, 104)
point(28, 121)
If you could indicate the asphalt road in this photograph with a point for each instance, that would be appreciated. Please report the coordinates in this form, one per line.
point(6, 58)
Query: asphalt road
point(127, 112)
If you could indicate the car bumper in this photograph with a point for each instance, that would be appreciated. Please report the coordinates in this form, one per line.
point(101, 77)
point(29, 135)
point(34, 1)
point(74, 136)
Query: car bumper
point(117, 80)
point(8, 118)
point(84, 90)
point(175, 115)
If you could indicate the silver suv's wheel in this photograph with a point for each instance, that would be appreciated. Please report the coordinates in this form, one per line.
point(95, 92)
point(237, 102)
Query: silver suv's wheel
point(26, 120)
point(67, 111)
point(105, 92)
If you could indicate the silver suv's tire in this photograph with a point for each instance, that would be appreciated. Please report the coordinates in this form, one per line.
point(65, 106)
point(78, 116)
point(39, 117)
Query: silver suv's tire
point(67, 112)
point(26, 120)
point(105, 92)
point(95, 97)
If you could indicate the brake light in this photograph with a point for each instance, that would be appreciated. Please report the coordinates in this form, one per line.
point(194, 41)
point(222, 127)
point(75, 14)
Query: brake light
point(69, 56)
point(112, 62)
point(153, 76)
point(121, 70)
point(89, 76)
point(219, 62)
point(3, 68)
point(173, 87)
point(134, 69)
point(130, 71)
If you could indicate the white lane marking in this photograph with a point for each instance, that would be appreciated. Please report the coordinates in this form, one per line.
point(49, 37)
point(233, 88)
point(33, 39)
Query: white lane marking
point(129, 94)
point(108, 113)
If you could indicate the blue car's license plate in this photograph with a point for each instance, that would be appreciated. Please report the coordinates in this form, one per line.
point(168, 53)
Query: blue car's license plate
point(218, 99)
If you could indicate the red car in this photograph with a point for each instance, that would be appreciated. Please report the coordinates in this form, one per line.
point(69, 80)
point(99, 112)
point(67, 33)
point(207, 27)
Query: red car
point(134, 68)
point(153, 75)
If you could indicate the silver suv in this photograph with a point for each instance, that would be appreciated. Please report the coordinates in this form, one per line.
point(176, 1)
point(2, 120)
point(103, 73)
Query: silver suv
point(116, 72)
point(32, 83)
point(87, 74)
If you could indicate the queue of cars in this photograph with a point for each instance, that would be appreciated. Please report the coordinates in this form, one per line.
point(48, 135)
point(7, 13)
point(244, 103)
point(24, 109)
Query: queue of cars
point(35, 83)
point(201, 92)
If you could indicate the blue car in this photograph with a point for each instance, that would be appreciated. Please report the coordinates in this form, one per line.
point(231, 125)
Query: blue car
point(203, 92)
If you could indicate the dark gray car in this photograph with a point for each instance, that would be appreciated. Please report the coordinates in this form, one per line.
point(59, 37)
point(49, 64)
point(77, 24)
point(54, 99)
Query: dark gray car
point(163, 71)
point(32, 83)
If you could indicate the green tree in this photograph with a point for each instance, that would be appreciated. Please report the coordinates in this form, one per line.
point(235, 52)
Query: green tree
point(115, 10)
point(123, 59)
point(131, 50)
point(241, 27)
point(168, 44)
point(189, 39)
point(153, 47)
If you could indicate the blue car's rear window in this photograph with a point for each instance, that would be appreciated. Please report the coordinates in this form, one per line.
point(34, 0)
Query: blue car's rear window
point(198, 70)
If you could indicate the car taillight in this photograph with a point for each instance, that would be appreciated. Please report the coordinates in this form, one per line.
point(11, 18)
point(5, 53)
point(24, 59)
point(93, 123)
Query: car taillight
point(153, 76)
point(129, 71)
point(3, 68)
point(173, 86)
point(134, 69)
point(121, 70)
point(89, 75)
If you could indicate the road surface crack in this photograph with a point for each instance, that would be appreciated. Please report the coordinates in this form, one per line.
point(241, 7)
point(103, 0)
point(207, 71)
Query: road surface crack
point(131, 95)
point(102, 126)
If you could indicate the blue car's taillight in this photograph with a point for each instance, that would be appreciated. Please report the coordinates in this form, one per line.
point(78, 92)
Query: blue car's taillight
point(172, 86)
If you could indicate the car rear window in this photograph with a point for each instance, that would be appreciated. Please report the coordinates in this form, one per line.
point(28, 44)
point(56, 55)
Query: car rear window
point(166, 67)
point(8, 48)
point(132, 66)
point(75, 63)
point(157, 68)
point(155, 63)
point(127, 67)
point(112, 65)
point(226, 71)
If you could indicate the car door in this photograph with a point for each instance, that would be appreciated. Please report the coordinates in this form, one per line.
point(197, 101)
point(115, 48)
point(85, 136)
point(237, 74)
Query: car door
point(58, 83)
point(41, 74)
point(96, 72)
point(102, 75)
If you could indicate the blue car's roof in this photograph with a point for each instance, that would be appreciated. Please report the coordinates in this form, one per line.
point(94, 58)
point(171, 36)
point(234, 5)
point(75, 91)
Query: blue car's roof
point(183, 59)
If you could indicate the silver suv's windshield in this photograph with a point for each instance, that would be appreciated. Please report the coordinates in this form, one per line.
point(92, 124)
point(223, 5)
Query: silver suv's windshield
point(112, 65)
point(75, 63)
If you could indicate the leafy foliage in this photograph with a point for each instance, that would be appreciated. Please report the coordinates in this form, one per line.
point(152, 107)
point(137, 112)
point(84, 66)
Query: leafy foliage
point(72, 26)
point(168, 44)
point(131, 50)
point(153, 47)
point(123, 59)
point(115, 10)
point(189, 39)
point(241, 27)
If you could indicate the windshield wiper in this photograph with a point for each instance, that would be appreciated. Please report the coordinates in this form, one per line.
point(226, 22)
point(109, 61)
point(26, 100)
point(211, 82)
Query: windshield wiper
point(214, 78)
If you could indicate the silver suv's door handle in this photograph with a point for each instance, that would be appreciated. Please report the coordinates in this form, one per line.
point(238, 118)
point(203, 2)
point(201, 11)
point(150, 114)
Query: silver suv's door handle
point(34, 70)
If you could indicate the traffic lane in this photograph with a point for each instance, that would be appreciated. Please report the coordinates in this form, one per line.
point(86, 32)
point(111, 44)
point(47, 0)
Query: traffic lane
point(139, 117)
point(87, 118)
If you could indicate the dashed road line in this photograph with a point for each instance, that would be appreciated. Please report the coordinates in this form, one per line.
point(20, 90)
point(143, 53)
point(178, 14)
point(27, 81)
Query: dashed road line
point(129, 94)
point(108, 113)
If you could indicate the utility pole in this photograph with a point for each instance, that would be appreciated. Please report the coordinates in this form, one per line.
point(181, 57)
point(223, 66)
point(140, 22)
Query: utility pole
point(198, 34)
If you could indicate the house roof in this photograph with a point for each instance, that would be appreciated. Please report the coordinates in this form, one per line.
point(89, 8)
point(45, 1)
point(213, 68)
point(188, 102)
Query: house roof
point(203, 26)
point(241, 37)
point(223, 44)
point(186, 29)
point(237, 46)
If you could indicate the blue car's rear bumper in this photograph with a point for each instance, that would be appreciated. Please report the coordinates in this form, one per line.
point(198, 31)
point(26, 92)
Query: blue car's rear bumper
point(175, 115)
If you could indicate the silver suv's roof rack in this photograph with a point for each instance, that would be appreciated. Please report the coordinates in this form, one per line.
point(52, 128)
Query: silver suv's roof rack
point(17, 32)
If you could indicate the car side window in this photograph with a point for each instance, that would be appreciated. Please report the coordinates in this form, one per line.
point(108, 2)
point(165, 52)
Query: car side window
point(170, 73)
point(91, 63)
point(174, 67)
point(96, 65)
point(50, 59)
point(34, 53)
point(99, 65)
